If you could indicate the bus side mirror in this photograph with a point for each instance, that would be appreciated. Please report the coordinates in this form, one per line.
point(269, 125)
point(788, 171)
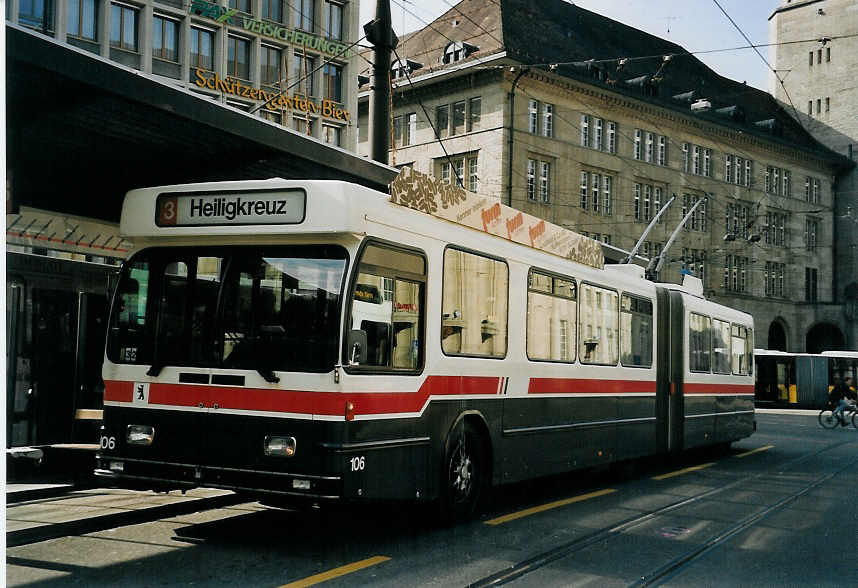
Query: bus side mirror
point(357, 347)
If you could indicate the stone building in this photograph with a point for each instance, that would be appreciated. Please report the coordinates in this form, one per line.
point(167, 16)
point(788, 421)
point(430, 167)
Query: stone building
point(594, 125)
point(289, 62)
point(814, 48)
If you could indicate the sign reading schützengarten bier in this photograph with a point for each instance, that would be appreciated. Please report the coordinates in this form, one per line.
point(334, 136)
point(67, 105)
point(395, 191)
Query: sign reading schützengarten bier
point(282, 207)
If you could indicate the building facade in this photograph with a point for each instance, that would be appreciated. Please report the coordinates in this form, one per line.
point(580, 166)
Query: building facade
point(289, 62)
point(814, 44)
point(600, 145)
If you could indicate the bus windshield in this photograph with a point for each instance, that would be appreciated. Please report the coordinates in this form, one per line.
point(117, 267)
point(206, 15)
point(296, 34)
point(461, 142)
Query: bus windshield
point(269, 308)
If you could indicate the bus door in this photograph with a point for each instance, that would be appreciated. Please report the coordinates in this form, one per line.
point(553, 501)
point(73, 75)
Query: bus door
point(88, 388)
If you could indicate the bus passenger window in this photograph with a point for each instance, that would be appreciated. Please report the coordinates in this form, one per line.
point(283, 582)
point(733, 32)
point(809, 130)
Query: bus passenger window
point(720, 347)
point(599, 314)
point(387, 311)
point(552, 310)
point(743, 346)
point(474, 305)
point(636, 331)
point(698, 343)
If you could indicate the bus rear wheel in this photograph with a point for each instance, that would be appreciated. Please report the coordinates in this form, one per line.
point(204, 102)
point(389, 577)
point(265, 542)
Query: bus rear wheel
point(464, 474)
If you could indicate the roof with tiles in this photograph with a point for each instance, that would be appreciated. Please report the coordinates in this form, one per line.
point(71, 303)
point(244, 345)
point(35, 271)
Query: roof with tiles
point(554, 35)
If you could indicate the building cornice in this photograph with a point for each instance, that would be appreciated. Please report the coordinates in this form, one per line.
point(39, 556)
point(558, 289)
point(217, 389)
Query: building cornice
point(791, 6)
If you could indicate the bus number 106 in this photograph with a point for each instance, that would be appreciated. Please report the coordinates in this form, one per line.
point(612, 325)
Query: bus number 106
point(358, 463)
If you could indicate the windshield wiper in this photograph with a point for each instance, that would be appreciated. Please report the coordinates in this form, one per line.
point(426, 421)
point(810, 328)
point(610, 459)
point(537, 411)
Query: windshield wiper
point(155, 369)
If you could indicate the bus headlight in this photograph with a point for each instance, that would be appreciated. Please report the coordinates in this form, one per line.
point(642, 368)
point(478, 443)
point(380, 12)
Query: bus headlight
point(280, 446)
point(139, 435)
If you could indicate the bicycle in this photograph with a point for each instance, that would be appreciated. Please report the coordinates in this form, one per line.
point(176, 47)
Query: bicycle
point(828, 420)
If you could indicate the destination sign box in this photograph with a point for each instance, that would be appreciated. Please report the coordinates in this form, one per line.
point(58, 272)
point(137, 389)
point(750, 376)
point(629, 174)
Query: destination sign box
point(282, 207)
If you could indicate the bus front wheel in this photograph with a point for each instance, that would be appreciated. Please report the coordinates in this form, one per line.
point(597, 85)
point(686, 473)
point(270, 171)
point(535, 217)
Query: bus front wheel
point(464, 473)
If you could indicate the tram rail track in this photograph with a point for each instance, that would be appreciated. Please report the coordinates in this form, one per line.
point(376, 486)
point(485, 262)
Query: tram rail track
point(671, 568)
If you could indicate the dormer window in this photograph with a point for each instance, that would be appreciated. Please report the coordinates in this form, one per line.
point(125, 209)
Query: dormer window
point(403, 68)
point(457, 51)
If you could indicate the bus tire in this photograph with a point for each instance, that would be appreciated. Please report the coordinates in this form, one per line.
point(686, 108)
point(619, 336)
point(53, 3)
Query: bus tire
point(464, 473)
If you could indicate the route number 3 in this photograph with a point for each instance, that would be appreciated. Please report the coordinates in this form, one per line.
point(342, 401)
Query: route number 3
point(108, 442)
point(358, 463)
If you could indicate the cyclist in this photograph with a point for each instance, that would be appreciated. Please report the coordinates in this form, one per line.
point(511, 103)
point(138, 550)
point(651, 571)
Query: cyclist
point(843, 394)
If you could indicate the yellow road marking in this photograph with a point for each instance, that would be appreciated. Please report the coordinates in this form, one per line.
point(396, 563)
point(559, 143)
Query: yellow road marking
point(337, 572)
point(685, 471)
point(529, 511)
point(751, 452)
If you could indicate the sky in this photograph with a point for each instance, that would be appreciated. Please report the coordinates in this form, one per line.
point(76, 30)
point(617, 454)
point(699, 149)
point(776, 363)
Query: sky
point(696, 25)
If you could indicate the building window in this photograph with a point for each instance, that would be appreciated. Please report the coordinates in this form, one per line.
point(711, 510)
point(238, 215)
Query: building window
point(818, 56)
point(585, 130)
point(332, 78)
point(736, 273)
point(442, 120)
point(165, 38)
point(545, 182)
point(272, 116)
point(612, 137)
point(332, 135)
point(123, 27)
point(818, 105)
point(810, 284)
point(638, 150)
point(240, 5)
point(83, 19)
point(774, 278)
point(303, 124)
point(811, 232)
point(238, 58)
point(334, 20)
point(31, 13)
point(548, 120)
point(458, 117)
point(647, 201)
point(697, 222)
point(778, 181)
point(457, 51)
point(662, 150)
point(685, 157)
point(202, 42)
point(827, 54)
point(302, 14)
point(650, 148)
point(405, 129)
point(810, 59)
point(305, 65)
point(776, 233)
point(272, 10)
point(585, 190)
point(474, 113)
point(811, 190)
point(532, 116)
point(473, 175)
point(694, 262)
point(269, 66)
point(809, 107)
point(827, 104)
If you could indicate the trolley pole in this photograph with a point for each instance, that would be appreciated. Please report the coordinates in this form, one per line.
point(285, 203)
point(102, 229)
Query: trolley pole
point(379, 33)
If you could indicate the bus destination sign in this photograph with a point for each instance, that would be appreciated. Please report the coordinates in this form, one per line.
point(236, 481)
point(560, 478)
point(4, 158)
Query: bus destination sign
point(283, 207)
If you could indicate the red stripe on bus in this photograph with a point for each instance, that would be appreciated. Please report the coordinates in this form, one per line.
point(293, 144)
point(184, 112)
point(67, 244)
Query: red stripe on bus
point(689, 388)
point(304, 402)
point(582, 386)
point(118, 391)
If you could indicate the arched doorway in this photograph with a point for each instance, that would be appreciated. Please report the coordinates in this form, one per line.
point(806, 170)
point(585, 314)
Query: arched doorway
point(777, 336)
point(824, 337)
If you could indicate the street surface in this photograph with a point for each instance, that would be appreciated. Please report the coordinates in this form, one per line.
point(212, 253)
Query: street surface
point(778, 508)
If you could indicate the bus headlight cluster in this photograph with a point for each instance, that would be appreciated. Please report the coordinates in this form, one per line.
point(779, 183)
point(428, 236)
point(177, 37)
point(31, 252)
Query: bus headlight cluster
point(280, 446)
point(139, 435)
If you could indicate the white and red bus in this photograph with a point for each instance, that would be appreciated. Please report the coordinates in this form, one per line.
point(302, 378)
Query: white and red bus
point(311, 340)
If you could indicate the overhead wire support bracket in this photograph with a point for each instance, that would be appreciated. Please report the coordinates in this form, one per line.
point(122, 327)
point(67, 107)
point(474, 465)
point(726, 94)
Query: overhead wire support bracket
point(649, 227)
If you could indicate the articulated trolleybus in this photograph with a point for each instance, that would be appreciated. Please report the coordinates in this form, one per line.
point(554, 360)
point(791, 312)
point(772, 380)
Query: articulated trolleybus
point(314, 341)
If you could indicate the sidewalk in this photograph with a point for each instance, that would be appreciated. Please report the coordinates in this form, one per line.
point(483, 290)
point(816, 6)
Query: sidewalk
point(82, 511)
